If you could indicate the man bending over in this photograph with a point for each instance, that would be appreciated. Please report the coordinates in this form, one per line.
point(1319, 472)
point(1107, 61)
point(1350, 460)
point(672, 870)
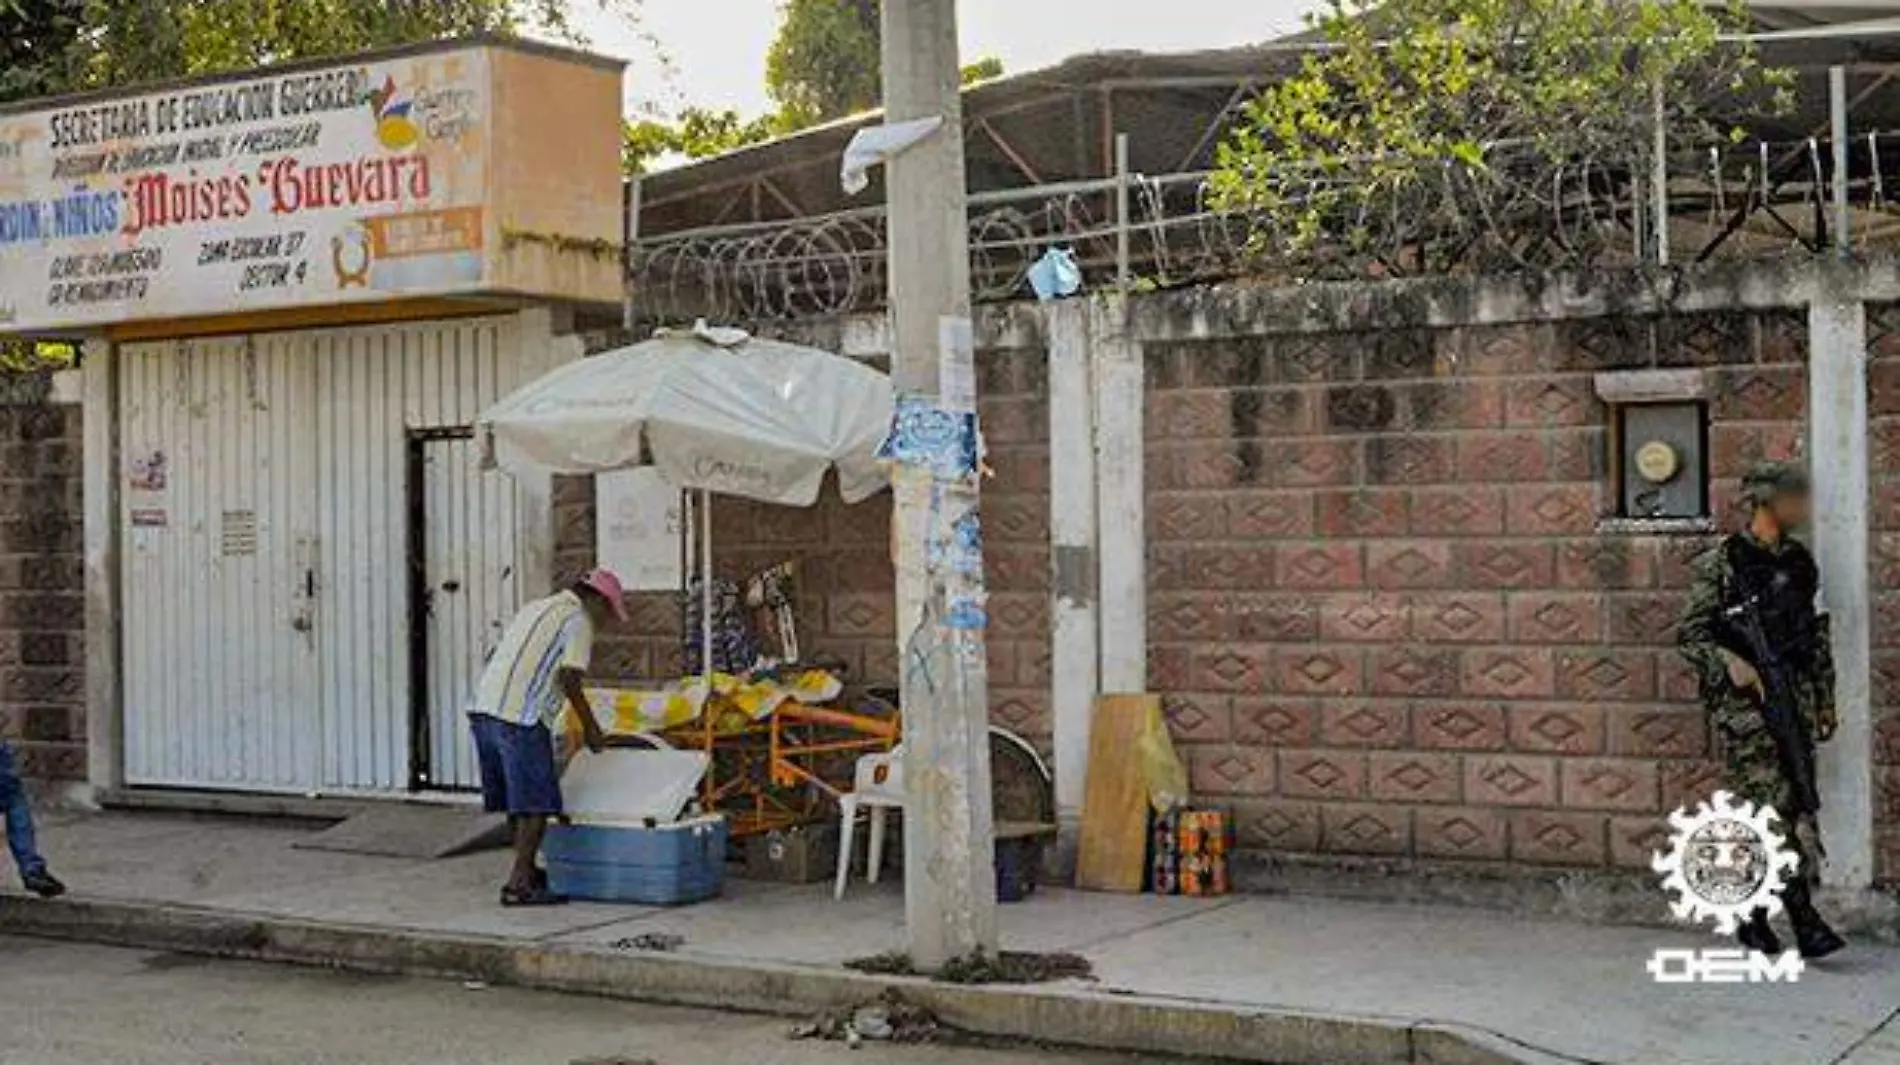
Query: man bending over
point(535, 671)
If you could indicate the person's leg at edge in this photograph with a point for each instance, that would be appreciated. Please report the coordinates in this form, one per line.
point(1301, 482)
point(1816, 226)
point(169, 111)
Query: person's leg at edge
point(534, 796)
point(491, 758)
point(1812, 936)
point(22, 841)
point(529, 828)
point(19, 816)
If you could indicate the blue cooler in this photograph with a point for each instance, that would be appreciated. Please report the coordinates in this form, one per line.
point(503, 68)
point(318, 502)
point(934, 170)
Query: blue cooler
point(665, 865)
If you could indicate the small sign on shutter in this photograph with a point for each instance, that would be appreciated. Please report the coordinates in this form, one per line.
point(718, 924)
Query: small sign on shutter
point(239, 533)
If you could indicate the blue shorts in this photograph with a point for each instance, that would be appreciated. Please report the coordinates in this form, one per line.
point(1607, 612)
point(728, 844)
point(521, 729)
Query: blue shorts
point(519, 777)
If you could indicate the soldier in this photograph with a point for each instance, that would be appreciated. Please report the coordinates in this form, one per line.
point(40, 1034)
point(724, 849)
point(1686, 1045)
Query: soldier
point(1758, 638)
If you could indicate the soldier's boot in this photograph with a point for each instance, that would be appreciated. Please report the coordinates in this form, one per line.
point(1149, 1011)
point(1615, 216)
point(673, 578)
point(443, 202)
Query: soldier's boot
point(1757, 935)
point(1811, 934)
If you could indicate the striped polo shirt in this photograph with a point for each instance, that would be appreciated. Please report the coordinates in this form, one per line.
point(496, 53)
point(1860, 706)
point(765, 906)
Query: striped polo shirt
point(519, 685)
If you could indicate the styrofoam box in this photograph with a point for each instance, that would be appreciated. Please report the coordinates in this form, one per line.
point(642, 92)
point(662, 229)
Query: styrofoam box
point(665, 865)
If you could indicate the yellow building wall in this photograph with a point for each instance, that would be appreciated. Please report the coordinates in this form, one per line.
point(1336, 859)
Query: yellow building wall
point(555, 181)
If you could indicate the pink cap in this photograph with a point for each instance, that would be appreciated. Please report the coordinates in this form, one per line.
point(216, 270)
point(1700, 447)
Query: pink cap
point(608, 585)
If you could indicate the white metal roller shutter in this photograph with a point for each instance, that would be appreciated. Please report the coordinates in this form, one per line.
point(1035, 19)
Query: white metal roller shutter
point(220, 657)
point(287, 474)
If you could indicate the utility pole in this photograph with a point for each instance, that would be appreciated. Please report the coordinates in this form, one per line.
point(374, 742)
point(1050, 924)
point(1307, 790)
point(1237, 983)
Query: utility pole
point(949, 860)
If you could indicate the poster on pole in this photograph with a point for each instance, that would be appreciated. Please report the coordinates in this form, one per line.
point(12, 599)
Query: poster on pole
point(638, 529)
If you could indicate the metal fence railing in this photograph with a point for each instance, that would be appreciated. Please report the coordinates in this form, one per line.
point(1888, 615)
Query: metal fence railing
point(1753, 200)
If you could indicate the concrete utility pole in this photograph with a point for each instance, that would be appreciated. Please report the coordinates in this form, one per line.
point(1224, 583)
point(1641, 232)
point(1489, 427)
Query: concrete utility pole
point(949, 862)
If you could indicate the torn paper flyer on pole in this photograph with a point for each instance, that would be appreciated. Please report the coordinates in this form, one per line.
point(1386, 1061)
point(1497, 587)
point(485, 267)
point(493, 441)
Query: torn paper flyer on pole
point(929, 437)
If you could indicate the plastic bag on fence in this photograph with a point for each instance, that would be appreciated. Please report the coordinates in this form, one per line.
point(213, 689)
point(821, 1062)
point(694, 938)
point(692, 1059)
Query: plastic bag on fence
point(1056, 275)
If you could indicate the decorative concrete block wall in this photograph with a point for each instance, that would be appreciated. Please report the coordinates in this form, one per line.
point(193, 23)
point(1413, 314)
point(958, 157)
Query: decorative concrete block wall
point(42, 611)
point(1883, 408)
point(1381, 608)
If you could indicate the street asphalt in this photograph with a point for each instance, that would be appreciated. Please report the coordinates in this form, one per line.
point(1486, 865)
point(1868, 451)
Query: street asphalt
point(70, 1004)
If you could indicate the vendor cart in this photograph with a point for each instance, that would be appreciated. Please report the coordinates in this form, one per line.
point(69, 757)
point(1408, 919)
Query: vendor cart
point(717, 411)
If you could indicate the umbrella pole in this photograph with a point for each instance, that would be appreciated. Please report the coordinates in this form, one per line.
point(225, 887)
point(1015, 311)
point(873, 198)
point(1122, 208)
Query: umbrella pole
point(688, 560)
point(706, 590)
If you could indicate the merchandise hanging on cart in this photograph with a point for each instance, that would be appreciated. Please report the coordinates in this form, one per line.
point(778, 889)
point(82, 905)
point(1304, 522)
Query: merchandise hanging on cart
point(718, 411)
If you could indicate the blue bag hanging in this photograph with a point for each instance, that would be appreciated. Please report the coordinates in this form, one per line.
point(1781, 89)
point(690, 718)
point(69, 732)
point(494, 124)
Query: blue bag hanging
point(1055, 275)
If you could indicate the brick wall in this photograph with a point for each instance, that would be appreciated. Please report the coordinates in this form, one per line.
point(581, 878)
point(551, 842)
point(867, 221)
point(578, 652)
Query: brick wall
point(1380, 610)
point(1883, 396)
point(42, 611)
point(847, 602)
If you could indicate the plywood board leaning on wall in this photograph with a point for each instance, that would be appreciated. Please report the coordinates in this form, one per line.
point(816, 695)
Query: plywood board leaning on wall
point(1113, 852)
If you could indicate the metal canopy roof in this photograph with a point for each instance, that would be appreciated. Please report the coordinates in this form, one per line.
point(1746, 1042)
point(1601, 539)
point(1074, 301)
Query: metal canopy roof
point(1057, 124)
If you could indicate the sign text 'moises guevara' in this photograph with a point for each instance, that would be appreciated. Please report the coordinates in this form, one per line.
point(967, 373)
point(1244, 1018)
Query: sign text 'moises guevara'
point(361, 181)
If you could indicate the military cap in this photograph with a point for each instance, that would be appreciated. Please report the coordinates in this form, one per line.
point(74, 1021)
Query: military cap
point(1766, 481)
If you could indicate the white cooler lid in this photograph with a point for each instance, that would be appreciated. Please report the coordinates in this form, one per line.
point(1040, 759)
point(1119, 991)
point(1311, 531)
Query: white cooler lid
point(631, 787)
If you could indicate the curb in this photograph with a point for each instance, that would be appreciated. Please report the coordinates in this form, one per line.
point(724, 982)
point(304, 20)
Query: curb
point(1059, 1015)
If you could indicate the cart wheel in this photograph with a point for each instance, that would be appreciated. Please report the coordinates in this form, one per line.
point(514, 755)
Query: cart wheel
point(1023, 789)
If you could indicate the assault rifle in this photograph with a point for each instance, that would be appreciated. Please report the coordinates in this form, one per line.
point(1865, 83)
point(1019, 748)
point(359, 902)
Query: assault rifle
point(1743, 635)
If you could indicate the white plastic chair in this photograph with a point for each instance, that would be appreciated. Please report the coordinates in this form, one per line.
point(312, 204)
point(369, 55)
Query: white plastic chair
point(878, 787)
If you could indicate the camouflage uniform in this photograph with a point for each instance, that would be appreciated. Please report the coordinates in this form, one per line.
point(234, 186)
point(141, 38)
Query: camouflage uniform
point(1797, 628)
point(1752, 767)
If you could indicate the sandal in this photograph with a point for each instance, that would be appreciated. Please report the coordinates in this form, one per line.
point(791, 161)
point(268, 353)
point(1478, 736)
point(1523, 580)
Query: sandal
point(538, 895)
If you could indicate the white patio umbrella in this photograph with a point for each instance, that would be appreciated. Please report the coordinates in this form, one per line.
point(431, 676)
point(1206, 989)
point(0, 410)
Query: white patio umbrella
point(711, 409)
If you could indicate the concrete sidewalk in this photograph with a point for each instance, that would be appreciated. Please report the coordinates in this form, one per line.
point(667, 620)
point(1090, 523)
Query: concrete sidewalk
point(1267, 978)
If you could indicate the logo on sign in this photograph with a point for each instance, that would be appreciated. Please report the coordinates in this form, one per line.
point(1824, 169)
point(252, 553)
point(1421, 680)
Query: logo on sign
point(711, 470)
point(394, 128)
point(350, 257)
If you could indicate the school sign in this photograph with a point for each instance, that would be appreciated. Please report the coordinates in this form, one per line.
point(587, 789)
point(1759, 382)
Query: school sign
point(375, 179)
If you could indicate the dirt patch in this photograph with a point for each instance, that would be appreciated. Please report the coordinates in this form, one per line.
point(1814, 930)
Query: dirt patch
point(1007, 967)
point(888, 1020)
point(656, 942)
point(895, 963)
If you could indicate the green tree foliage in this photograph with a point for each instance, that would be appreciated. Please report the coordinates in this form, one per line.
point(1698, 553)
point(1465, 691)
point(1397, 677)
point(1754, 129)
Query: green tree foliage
point(987, 68)
point(38, 39)
point(25, 356)
point(50, 46)
point(825, 61)
point(824, 64)
point(698, 133)
point(143, 40)
point(1415, 97)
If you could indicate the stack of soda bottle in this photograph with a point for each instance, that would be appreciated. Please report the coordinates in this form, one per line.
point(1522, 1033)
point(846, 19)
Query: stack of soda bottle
point(1190, 849)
